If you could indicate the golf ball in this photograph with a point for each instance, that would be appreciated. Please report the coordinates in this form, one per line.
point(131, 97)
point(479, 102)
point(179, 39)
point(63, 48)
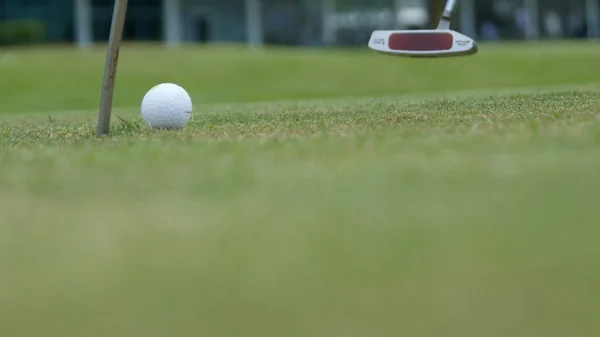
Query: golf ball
point(167, 106)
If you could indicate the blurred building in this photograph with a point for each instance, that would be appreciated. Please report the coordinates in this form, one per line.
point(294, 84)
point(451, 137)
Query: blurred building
point(290, 22)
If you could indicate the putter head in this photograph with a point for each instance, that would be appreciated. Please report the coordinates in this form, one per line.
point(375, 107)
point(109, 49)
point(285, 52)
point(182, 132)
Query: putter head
point(422, 43)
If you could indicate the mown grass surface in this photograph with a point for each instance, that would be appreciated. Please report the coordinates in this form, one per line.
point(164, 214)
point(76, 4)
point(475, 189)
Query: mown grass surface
point(441, 214)
point(54, 80)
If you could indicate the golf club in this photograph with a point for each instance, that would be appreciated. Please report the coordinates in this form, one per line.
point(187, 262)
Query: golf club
point(110, 68)
point(440, 42)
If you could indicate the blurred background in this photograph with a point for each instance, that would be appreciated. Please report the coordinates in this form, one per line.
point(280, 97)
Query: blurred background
point(289, 22)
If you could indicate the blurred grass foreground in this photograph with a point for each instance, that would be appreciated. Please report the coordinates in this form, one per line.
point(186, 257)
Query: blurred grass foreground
point(315, 193)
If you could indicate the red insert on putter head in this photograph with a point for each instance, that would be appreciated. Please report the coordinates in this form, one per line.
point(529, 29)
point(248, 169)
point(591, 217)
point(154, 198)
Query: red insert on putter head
point(421, 42)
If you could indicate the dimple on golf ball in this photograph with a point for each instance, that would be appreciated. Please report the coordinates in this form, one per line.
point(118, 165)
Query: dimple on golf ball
point(167, 106)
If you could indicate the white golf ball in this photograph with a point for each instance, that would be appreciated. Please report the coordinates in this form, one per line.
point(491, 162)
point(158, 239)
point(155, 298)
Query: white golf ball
point(167, 106)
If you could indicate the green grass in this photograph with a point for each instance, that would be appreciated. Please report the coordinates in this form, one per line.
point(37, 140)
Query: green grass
point(52, 80)
point(392, 203)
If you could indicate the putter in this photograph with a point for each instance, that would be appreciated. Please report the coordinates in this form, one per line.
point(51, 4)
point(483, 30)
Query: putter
point(440, 42)
point(110, 68)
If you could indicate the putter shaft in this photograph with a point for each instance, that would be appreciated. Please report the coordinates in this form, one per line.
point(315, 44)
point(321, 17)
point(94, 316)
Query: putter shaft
point(447, 15)
point(449, 9)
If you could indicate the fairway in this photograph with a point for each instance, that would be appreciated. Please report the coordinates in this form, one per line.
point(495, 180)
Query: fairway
point(315, 193)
